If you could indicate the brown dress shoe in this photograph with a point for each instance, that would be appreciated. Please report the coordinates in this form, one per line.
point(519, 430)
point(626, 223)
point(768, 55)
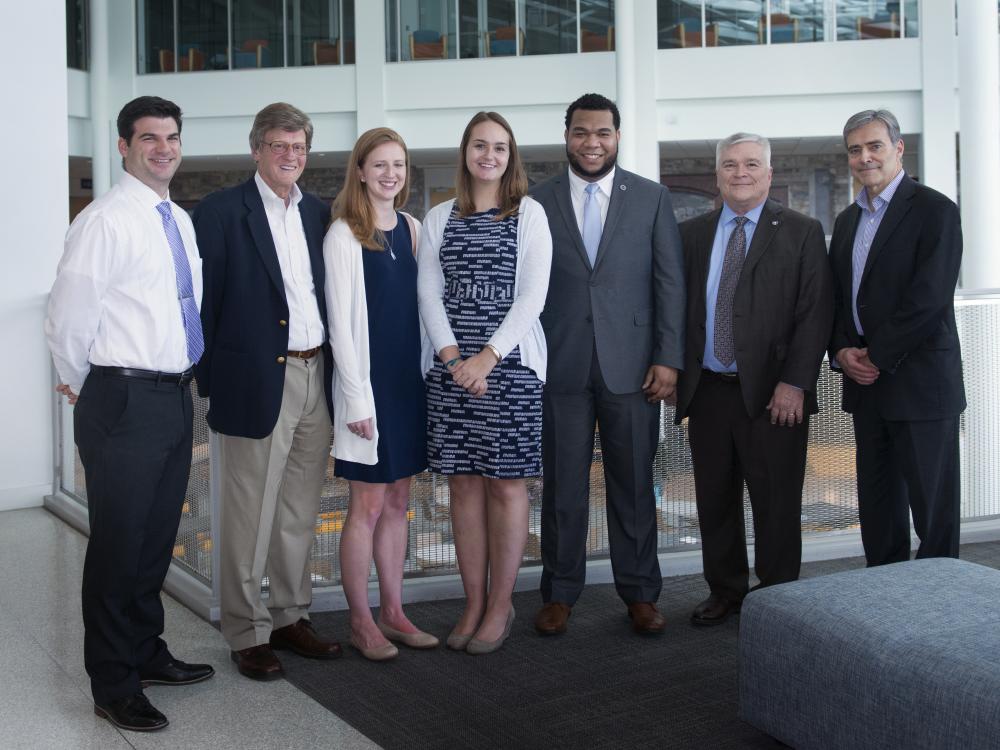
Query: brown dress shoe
point(645, 618)
point(715, 610)
point(300, 638)
point(258, 663)
point(551, 618)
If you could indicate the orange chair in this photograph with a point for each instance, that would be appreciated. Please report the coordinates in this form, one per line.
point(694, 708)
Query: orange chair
point(427, 44)
point(167, 61)
point(326, 53)
point(503, 42)
point(784, 28)
point(883, 26)
point(593, 41)
point(193, 59)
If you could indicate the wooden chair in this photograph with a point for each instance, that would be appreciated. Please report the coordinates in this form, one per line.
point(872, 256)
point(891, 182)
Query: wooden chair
point(191, 58)
point(253, 53)
point(687, 33)
point(594, 41)
point(503, 42)
point(784, 28)
point(427, 44)
point(882, 26)
point(167, 61)
point(326, 53)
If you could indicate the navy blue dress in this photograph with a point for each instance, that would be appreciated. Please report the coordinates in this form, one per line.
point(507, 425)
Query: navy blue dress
point(394, 353)
point(497, 435)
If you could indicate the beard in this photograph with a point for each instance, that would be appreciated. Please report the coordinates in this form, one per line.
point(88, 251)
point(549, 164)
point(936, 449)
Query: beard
point(592, 173)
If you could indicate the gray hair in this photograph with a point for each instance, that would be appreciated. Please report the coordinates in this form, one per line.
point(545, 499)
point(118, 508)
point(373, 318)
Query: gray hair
point(742, 138)
point(279, 116)
point(883, 116)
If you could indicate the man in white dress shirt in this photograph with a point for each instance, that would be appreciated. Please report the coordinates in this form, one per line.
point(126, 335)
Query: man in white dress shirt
point(266, 373)
point(124, 331)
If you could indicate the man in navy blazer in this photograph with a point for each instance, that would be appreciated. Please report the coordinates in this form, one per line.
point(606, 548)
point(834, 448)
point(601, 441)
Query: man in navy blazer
point(265, 372)
point(896, 253)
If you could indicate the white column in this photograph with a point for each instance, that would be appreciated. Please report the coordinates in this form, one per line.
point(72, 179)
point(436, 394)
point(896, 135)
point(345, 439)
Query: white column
point(369, 30)
point(939, 113)
point(100, 116)
point(979, 123)
point(635, 60)
point(35, 205)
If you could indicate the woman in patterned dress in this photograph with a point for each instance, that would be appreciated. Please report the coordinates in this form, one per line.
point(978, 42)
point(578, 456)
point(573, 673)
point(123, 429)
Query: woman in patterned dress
point(483, 275)
point(378, 390)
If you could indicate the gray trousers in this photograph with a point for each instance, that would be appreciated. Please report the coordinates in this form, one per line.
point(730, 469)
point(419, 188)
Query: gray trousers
point(270, 493)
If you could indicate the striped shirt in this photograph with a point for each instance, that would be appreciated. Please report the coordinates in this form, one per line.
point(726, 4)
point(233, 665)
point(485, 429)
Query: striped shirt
point(868, 226)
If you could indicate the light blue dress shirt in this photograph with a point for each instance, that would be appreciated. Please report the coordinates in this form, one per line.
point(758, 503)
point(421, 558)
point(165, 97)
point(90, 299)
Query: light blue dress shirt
point(722, 233)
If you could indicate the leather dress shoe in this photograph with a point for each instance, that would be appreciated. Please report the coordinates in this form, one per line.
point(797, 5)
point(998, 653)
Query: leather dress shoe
point(133, 712)
point(420, 639)
point(176, 672)
point(714, 610)
point(646, 620)
point(301, 638)
point(551, 618)
point(258, 663)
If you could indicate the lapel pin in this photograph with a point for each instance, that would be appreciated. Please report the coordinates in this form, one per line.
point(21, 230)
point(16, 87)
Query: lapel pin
point(775, 223)
point(621, 187)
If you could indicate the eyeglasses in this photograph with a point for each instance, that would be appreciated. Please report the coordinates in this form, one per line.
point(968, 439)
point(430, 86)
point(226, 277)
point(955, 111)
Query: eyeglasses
point(280, 148)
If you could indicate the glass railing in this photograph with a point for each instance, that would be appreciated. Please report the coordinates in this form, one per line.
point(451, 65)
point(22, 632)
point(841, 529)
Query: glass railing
point(452, 29)
point(718, 23)
point(197, 35)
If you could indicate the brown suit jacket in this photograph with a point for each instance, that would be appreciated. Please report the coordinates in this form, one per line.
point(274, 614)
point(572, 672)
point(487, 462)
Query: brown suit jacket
point(783, 309)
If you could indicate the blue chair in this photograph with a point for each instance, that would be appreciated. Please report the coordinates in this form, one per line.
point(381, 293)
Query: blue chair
point(428, 44)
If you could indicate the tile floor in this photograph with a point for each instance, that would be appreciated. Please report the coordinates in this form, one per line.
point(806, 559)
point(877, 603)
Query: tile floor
point(44, 691)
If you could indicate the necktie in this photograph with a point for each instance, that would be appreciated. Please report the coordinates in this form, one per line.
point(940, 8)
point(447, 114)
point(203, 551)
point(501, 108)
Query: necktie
point(592, 223)
point(736, 250)
point(185, 290)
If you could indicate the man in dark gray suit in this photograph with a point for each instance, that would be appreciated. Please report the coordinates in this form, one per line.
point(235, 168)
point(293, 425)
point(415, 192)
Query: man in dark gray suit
point(614, 324)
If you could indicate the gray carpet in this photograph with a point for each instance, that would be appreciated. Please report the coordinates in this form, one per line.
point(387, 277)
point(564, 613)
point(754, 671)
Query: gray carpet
point(597, 686)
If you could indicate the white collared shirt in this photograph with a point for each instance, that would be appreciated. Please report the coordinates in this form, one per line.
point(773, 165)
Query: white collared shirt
point(114, 301)
point(305, 327)
point(577, 191)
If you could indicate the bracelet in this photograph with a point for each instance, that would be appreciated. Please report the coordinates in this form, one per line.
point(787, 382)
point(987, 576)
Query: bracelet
point(452, 362)
point(496, 352)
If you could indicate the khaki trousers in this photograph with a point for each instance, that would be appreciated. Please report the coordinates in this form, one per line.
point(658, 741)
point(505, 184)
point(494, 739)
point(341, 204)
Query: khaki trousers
point(270, 493)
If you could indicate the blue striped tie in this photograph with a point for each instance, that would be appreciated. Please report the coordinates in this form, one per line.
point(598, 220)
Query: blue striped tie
point(185, 290)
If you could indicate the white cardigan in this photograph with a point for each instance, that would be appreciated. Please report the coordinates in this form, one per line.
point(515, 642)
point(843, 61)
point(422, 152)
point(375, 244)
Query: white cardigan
point(347, 319)
point(520, 327)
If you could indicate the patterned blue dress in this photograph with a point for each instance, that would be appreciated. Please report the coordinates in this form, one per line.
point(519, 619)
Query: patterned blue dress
point(497, 435)
point(394, 353)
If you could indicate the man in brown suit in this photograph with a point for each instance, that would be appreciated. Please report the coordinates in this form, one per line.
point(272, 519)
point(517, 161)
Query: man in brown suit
point(759, 314)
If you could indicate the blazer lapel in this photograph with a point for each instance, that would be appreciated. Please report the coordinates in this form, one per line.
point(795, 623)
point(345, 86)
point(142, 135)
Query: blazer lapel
point(767, 227)
point(260, 231)
point(899, 206)
point(619, 192)
point(565, 203)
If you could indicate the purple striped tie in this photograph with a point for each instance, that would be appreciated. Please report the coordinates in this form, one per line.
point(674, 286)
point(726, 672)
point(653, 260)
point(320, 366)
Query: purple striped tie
point(185, 290)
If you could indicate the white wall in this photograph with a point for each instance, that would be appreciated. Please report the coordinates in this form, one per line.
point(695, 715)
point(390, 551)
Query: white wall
point(34, 200)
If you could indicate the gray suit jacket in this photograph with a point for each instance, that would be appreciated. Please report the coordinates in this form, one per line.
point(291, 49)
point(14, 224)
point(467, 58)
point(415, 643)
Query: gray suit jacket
point(630, 305)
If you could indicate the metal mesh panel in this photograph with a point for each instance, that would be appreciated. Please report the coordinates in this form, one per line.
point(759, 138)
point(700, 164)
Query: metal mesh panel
point(829, 499)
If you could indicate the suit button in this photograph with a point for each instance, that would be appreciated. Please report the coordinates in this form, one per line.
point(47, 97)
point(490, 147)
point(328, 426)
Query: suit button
point(589, 319)
point(281, 360)
point(282, 323)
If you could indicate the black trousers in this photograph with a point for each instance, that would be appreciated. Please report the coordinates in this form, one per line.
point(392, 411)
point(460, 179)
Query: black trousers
point(134, 438)
point(629, 428)
point(904, 467)
point(728, 448)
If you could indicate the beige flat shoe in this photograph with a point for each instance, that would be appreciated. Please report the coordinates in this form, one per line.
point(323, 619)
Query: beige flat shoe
point(478, 647)
point(458, 642)
point(420, 639)
point(378, 653)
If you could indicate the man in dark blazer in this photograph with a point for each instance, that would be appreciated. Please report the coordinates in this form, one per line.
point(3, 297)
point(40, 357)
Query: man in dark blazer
point(760, 308)
point(896, 253)
point(266, 373)
point(614, 326)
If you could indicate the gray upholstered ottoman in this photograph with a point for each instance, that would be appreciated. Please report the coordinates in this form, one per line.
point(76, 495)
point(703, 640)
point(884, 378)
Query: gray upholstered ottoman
point(900, 656)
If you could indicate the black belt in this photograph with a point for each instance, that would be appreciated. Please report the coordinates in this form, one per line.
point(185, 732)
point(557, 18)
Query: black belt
point(724, 377)
point(172, 378)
